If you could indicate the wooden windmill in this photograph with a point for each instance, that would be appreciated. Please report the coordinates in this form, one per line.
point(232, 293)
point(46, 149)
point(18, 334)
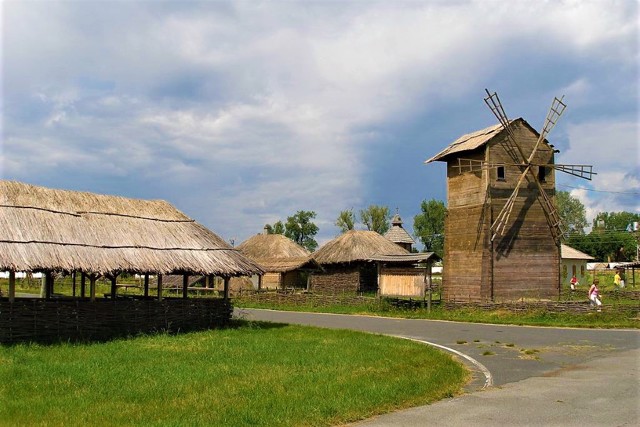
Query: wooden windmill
point(503, 231)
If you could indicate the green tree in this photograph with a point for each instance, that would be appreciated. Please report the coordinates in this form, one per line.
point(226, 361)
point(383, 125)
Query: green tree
point(572, 213)
point(618, 221)
point(346, 220)
point(276, 228)
point(302, 230)
point(428, 225)
point(376, 218)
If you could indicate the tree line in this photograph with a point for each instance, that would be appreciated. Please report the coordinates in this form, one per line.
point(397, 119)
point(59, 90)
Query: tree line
point(428, 226)
point(611, 238)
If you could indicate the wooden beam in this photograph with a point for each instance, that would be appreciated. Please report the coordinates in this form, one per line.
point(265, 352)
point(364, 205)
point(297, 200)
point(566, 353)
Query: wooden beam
point(114, 288)
point(12, 286)
point(92, 287)
point(73, 278)
point(185, 285)
point(226, 288)
point(146, 284)
point(83, 285)
point(159, 287)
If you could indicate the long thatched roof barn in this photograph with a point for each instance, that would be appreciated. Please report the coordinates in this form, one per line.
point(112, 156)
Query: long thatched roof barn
point(43, 229)
point(46, 230)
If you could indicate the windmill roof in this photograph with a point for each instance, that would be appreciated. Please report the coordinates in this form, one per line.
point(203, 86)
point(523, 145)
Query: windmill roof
point(61, 230)
point(474, 140)
point(567, 252)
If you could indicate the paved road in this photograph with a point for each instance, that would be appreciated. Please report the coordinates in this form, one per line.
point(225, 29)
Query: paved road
point(541, 376)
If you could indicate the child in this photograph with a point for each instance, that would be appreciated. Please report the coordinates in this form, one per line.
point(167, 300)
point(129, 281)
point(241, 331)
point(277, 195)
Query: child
point(574, 282)
point(594, 295)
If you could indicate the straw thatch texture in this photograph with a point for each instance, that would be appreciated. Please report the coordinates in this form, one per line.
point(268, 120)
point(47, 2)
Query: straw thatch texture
point(275, 252)
point(47, 229)
point(356, 245)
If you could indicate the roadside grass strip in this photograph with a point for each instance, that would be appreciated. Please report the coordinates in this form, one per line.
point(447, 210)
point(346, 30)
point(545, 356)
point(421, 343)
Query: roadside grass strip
point(255, 373)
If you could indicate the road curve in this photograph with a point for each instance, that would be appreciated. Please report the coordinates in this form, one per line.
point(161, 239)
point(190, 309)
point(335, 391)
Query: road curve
point(541, 376)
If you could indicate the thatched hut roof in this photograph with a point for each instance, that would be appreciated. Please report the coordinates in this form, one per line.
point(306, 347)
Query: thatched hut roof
point(356, 245)
point(60, 230)
point(276, 253)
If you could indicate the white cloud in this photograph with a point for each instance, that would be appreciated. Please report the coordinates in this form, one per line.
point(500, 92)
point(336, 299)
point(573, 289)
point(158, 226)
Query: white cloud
point(269, 108)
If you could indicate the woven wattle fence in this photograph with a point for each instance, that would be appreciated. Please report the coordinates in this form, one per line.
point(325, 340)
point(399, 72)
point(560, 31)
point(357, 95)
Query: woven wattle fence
point(48, 321)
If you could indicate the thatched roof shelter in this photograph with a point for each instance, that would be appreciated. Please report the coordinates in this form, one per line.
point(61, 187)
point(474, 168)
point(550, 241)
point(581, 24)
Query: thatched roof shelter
point(43, 229)
point(356, 245)
point(276, 253)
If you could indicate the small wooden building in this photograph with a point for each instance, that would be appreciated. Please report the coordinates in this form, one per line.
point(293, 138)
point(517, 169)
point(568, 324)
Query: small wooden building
point(574, 263)
point(398, 235)
point(348, 262)
point(525, 261)
point(286, 263)
point(405, 275)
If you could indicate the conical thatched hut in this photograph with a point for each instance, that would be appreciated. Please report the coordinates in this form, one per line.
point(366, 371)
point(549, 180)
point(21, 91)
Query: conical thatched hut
point(349, 262)
point(286, 264)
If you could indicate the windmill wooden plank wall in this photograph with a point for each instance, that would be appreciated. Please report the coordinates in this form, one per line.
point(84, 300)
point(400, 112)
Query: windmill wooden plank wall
point(525, 260)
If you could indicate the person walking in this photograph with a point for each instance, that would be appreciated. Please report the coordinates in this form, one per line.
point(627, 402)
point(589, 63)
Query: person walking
point(594, 295)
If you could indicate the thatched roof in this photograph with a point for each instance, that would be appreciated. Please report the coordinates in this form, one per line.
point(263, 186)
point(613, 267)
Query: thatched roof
point(474, 140)
point(356, 245)
point(47, 229)
point(276, 253)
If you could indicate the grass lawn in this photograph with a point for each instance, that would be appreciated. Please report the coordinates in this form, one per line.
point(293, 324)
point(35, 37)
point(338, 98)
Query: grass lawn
point(251, 374)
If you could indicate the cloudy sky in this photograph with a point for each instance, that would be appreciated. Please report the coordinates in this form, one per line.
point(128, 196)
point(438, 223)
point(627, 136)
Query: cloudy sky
point(242, 112)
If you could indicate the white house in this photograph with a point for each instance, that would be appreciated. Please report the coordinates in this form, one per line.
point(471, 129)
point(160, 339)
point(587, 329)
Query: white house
point(573, 262)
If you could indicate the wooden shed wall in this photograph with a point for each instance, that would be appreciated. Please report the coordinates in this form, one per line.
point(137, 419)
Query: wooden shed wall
point(271, 281)
point(408, 281)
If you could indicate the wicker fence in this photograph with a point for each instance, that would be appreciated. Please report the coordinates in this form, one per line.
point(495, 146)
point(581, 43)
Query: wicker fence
point(46, 321)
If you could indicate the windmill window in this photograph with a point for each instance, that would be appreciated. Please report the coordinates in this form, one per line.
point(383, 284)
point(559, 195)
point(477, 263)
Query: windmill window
point(500, 171)
point(542, 174)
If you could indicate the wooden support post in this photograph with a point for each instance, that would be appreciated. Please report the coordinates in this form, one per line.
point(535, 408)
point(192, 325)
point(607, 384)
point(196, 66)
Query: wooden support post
point(43, 285)
point(83, 285)
point(429, 287)
point(226, 288)
point(209, 281)
point(92, 287)
point(12, 286)
point(185, 285)
point(146, 285)
point(159, 287)
point(114, 288)
point(48, 284)
point(259, 281)
point(73, 279)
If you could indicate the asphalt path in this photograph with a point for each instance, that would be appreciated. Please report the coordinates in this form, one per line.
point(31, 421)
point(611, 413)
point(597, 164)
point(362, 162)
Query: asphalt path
point(537, 376)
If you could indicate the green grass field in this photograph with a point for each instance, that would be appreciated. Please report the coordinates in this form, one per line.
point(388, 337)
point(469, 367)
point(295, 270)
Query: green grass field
point(251, 374)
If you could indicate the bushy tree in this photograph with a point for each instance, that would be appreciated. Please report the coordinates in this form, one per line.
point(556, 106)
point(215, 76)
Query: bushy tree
point(302, 230)
point(572, 213)
point(428, 225)
point(376, 218)
point(346, 220)
point(276, 228)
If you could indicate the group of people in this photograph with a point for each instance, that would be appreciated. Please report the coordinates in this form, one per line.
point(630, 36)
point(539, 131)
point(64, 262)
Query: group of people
point(594, 292)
